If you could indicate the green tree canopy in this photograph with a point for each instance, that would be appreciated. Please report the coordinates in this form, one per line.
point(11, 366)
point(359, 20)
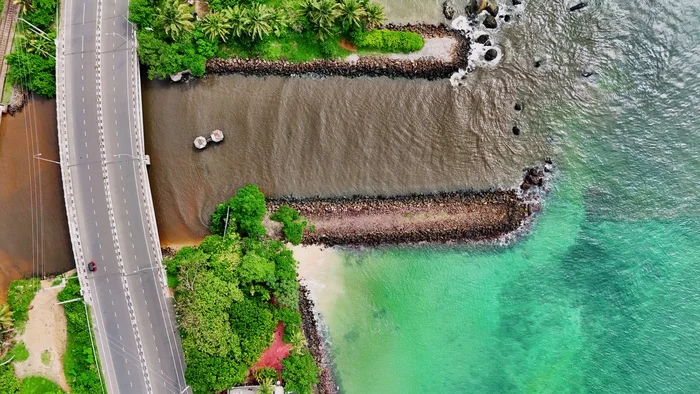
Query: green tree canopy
point(293, 224)
point(216, 25)
point(174, 18)
point(299, 372)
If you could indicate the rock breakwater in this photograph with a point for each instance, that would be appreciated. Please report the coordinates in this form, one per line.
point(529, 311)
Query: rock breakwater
point(432, 218)
point(373, 66)
point(316, 343)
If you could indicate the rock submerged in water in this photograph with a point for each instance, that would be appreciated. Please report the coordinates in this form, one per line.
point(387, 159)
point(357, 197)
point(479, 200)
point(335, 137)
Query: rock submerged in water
point(578, 6)
point(518, 107)
point(516, 130)
point(448, 10)
point(517, 2)
point(490, 22)
point(483, 39)
point(490, 55)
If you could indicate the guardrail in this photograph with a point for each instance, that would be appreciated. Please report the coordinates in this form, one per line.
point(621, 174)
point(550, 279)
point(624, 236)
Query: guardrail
point(146, 194)
point(64, 153)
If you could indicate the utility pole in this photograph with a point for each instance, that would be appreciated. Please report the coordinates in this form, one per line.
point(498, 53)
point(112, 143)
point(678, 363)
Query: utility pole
point(226, 225)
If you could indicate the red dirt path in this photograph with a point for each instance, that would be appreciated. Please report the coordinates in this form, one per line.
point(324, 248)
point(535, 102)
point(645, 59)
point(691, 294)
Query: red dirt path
point(273, 355)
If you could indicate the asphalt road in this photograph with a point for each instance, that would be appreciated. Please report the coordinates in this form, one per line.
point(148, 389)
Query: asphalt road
point(134, 322)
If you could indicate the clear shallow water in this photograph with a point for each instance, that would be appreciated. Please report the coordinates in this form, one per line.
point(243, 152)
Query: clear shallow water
point(603, 295)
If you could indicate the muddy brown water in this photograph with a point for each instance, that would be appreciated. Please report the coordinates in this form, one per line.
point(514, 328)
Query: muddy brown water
point(307, 137)
point(33, 228)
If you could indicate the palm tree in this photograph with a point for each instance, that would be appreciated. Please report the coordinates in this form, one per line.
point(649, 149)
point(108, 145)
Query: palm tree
point(5, 317)
point(298, 342)
point(351, 14)
point(265, 386)
point(41, 44)
point(174, 17)
point(26, 5)
point(374, 16)
point(216, 24)
point(280, 21)
point(257, 21)
point(320, 15)
point(236, 18)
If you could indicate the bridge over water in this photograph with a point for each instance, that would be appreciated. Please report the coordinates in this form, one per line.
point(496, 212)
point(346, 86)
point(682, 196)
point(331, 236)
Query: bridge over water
point(108, 199)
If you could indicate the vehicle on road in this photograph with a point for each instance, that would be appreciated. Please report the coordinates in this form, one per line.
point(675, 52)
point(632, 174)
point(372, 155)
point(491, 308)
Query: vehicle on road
point(92, 267)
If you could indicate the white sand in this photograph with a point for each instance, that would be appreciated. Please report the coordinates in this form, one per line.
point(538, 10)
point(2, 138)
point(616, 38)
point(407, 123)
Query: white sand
point(439, 48)
point(45, 330)
point(321, 271)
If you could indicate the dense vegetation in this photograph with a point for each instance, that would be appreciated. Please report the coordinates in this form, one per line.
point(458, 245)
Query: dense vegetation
point(299, 372)
point(32, 63)
point(231, 291)
point(173, 38)
point(79, 361)
point(19, 296)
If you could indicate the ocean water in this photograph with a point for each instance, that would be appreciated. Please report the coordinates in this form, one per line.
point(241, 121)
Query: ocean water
point(603, 294)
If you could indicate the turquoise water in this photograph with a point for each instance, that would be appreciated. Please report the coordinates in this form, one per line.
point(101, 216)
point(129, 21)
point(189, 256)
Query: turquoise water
point(603, 295)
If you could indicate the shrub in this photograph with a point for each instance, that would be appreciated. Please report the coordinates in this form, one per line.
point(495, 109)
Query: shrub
point(33, 71)
point(19, 351)
point(292, 323)
point(19, 296)
point(388, 41)
point(79, 361)
point(9, 384)
point(42, 13)
point(293, 224)
point(299, 372)
point(39, 385)
point(265, 373)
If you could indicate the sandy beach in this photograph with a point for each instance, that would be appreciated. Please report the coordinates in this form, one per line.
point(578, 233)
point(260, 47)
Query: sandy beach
point(320, 270)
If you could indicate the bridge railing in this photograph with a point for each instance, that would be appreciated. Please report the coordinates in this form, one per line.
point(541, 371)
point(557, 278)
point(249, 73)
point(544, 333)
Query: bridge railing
point(64, 154)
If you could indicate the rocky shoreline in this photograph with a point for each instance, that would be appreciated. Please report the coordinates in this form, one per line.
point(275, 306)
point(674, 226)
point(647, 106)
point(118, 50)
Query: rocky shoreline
point(316, 343)
point(432, 218)
point(372, 66)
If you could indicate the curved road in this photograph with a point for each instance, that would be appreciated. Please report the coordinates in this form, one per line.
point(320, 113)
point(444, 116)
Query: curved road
point(109, 201)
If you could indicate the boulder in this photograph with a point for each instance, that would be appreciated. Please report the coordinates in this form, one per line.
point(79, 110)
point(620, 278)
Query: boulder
point(490, 22)
point(517, 2)
point(492, 8)
point(516, 130)
point(506, 18)
point(490, 55)
point(483, 39)
point(448, 10)
point(518, 107)
point(538, 63)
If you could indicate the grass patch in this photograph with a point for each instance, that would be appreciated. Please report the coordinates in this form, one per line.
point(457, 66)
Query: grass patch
point(388, 41)
point(298, 47)
point(19, 296)
point(19, 350)
point(79, 361)
point(6, 93)
point(46, 357)
point(39, 385)
point(56, 282)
